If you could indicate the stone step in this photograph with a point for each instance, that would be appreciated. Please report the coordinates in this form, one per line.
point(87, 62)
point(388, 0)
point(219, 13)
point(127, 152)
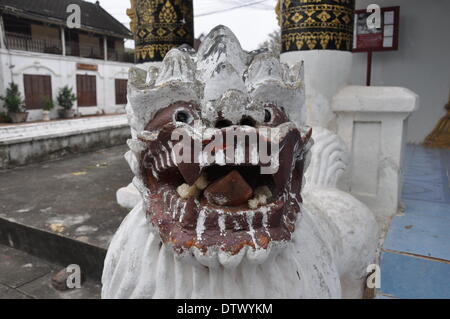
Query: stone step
point(54, 248)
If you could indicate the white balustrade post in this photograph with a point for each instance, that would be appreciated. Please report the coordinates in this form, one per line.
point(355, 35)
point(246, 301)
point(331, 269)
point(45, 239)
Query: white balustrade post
point(372, 121)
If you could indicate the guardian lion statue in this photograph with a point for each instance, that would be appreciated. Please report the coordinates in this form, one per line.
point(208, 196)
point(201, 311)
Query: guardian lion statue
point(225, 229)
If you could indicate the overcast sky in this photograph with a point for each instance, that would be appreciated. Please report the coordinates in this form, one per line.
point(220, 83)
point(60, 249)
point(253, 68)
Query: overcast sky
point(251, 24)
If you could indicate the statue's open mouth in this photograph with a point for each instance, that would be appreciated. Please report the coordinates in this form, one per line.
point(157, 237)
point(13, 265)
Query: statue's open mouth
point(227, 204)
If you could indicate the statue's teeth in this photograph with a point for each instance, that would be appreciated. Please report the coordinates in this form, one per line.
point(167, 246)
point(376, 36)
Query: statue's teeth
point(260, 198)
point(202, 182)
point(185, 191)
point(253, 203)
point(169, 156)
point(285, 160)
point(149, 136)
point(263, 190)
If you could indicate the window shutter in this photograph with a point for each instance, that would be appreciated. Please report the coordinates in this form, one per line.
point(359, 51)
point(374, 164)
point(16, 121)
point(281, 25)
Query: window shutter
point(87, 90)
point(36, 87)
point(121, 91)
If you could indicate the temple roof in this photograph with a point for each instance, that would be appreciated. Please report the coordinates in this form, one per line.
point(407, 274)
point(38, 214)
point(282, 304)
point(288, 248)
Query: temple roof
point(93, 17)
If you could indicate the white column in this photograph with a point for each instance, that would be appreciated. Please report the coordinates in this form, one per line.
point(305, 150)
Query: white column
point(372, 121)
point(105, 48)
point(63, 41)
point(326, 72)
point(2, 34)
point(3, 66)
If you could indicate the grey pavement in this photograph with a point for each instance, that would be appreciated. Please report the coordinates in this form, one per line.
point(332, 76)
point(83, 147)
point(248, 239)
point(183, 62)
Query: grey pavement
point(64, 211)
point(73, 197)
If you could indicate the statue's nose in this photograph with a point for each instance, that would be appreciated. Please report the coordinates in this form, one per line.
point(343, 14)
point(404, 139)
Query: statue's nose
point(223, 123)
point(245, 120)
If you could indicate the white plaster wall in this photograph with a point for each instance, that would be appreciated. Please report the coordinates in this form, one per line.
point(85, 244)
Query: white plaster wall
point(421, 64)
point(63, 71)
point(326, 71)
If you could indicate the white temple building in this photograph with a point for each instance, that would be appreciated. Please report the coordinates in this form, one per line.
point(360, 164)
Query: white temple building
point(41, 54)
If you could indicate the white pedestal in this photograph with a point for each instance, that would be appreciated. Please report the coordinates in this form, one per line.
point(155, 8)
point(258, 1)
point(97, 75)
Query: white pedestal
point(372, 122)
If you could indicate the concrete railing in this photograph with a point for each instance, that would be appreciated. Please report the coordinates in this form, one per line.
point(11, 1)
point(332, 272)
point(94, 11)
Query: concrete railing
point(27, 143)
point(372, 121)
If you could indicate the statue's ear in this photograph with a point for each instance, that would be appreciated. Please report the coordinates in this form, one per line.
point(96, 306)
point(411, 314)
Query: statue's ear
point(270, 81)
point(265, 67)
point(137, 78)
point(155, 88)
point(177, 66)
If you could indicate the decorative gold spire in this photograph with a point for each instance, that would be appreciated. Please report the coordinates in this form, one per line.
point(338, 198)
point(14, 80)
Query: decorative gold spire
point(316, 24)
point(278, 12)
point(160, 25)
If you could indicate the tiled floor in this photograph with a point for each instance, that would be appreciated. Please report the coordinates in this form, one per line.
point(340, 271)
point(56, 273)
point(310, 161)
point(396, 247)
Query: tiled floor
point(415, 262)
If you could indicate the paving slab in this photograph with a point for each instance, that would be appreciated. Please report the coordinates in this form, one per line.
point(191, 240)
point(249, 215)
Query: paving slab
point(9, 293)
point(423, 191)
point(405, 277)
point(427, 176)
point(423, 230)
point(42, 289)
point(23, 276)
point(18, 268)
point(415, 262)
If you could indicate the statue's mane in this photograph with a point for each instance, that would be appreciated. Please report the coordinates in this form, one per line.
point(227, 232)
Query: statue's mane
point(220, 73)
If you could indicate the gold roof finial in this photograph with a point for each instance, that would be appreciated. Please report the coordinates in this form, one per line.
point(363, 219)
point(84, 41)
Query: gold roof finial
point(278, 11)
point(132, 14)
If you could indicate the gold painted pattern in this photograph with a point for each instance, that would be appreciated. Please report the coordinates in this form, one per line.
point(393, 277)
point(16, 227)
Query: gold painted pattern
point(316, 24)
point(159, 25)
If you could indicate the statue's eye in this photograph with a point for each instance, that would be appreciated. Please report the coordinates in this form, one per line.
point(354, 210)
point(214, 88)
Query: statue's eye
point(267, 115)
point(183, 116)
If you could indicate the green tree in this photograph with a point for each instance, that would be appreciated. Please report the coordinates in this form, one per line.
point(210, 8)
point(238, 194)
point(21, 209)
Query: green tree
point(273, 42)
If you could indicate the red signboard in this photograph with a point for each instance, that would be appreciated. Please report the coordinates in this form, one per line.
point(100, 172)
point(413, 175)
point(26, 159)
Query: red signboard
point(87, 67)
point(384, 38)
